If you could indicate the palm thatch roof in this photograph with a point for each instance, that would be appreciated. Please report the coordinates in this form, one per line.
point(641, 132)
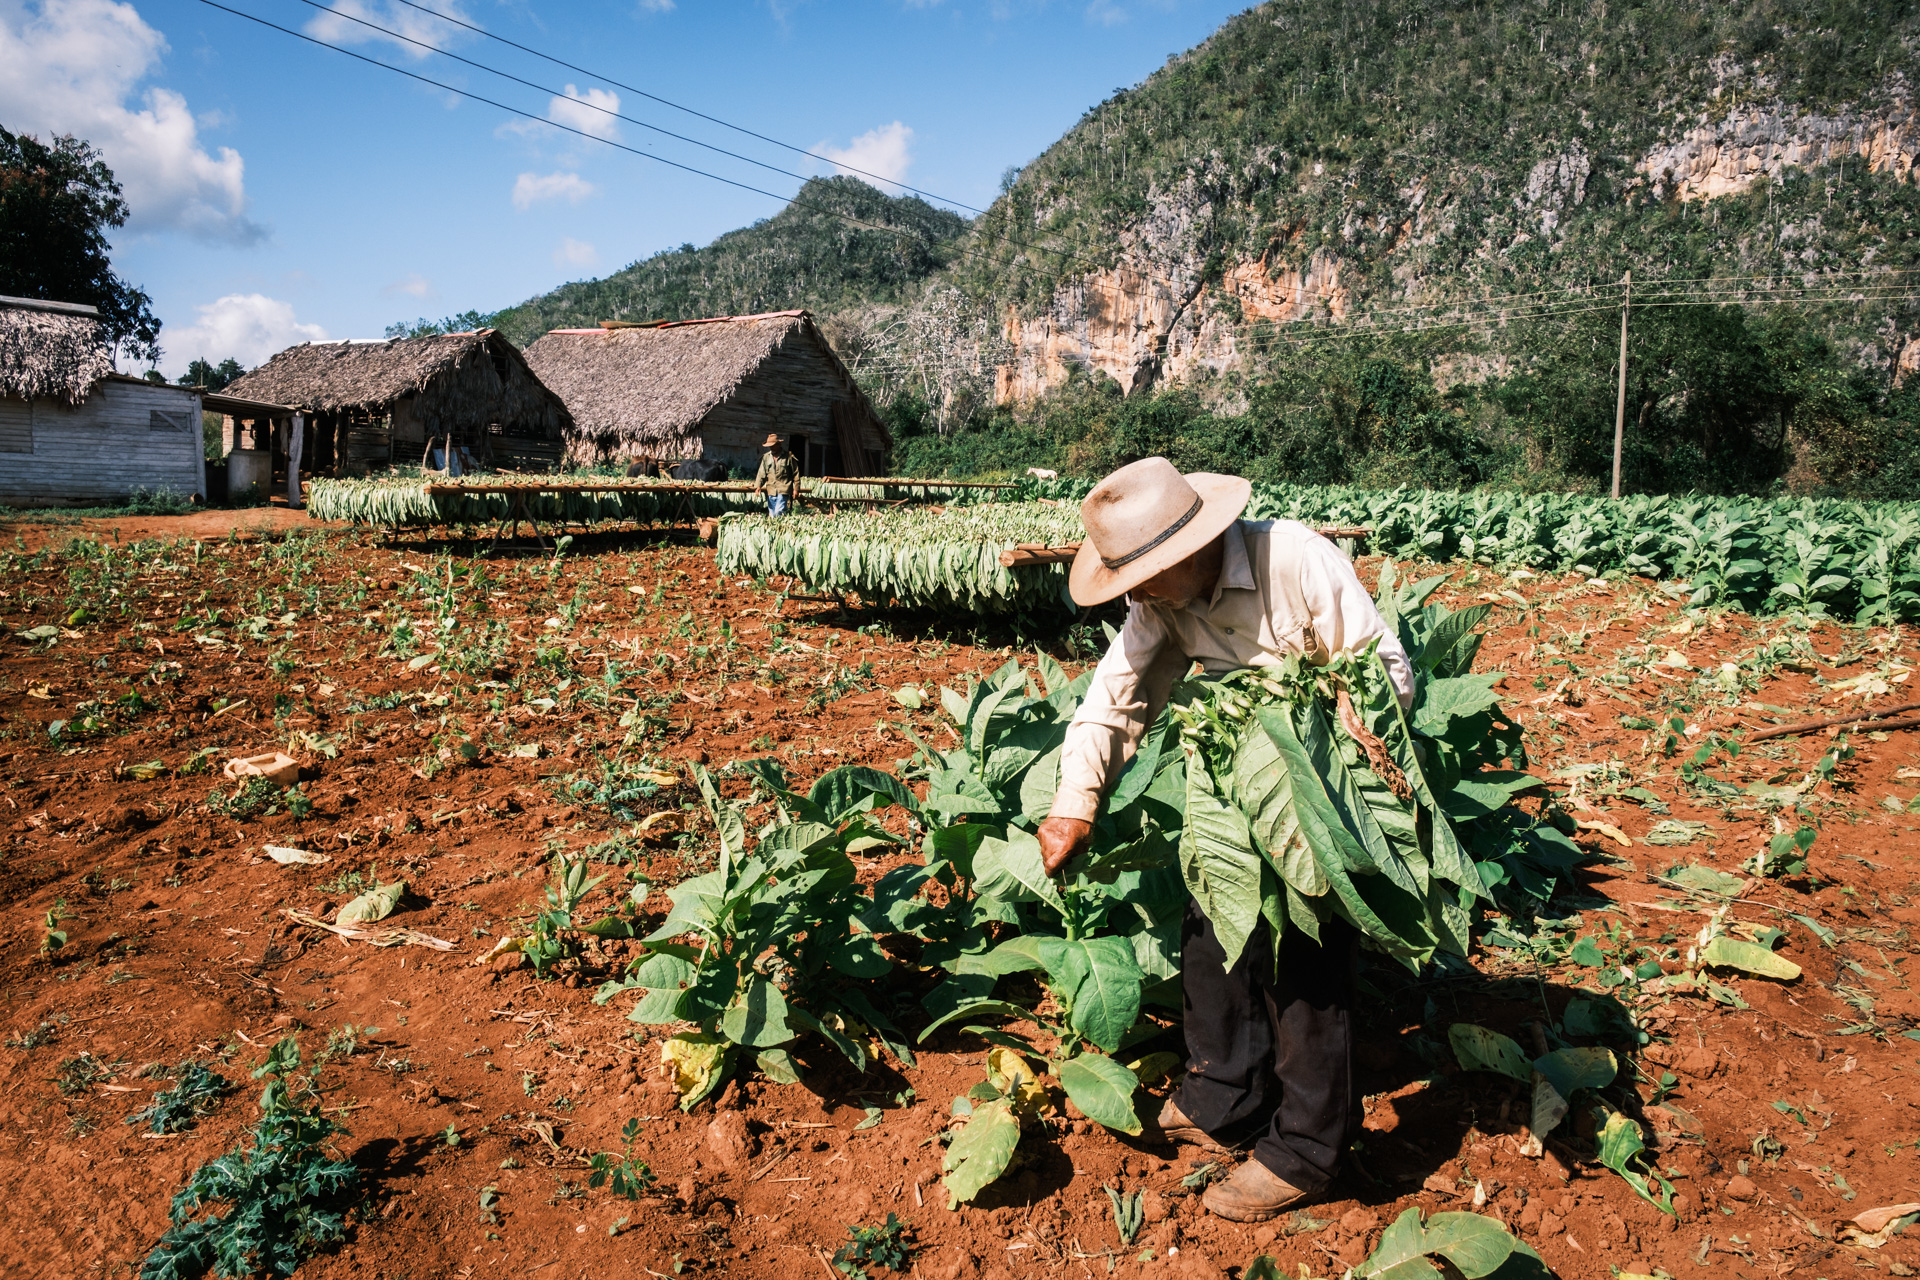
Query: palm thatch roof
point(646, 389)
point(456, 381)
point(51, 350)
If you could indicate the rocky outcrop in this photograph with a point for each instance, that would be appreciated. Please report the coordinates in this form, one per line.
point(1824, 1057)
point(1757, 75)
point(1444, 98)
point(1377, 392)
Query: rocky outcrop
point(1907, 363)
point(1556, 183)
point(1725, 156)
point(1139, 330)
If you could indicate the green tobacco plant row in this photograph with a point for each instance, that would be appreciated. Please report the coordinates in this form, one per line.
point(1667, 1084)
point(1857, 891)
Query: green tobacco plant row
point(1852, 560)
point(918, 557)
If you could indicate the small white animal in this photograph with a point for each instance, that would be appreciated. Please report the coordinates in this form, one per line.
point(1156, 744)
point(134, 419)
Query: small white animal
point(1042, 473)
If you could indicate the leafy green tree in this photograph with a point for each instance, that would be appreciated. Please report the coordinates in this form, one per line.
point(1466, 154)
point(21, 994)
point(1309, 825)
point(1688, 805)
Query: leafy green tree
point(214, 377)
point(57, 204)
point(465, 322)
point(1714, 397)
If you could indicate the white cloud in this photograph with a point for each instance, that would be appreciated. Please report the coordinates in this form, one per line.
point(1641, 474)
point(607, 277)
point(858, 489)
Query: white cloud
point(1111, 13)
point(575, 253)
point(74, 66)
point(886, 152)
point(250, 327)
point(531, 188)
point(412, 285)
point(330, 25)
point(587, 112)
point(656, 6)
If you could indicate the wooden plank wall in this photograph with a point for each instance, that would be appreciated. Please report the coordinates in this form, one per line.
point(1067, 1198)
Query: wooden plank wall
point(111, 445)
point(791, 393)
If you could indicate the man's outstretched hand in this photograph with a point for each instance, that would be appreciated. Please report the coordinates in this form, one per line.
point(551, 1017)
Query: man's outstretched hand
point(1061, 840)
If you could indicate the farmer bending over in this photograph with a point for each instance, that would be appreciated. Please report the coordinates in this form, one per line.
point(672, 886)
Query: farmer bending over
point(778, 477)
point(1269, 1047)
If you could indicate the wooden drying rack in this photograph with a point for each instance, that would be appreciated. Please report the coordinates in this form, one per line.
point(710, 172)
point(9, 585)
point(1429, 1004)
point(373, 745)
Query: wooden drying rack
point(584, 486)
point(520, 492)
point(1031, 553)
point(918, 484)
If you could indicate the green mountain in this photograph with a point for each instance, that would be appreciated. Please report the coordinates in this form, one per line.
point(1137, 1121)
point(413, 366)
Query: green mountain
point(1384, 243)
point(839, 246)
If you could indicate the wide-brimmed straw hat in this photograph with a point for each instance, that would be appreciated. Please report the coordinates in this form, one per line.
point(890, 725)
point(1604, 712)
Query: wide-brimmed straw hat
point(769, 442)
point(1147, 517)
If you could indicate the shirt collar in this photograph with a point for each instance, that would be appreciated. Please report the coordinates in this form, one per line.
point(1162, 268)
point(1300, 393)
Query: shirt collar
point(1236, 571)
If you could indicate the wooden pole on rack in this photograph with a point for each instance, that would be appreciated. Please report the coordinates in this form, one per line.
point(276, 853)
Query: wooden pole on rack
point(1620, 405)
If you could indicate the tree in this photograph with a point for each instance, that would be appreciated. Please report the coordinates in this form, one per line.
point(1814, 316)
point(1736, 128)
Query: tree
point(944, 351)
point(466, 322)
point(56, 205)
point(214, 377)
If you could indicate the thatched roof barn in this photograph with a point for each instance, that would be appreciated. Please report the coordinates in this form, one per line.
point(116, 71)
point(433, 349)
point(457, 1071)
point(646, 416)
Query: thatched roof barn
point(714, 389)
point(381, 401)
point(51, 350)
point(74, 431)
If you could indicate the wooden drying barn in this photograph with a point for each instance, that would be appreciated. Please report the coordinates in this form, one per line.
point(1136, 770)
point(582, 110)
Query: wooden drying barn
point(711, 389)
point(371, 404)
point(73, 431)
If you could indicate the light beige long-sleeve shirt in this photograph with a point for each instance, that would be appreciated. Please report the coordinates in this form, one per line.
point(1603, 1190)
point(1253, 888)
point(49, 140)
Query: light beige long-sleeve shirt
point(1282, 589)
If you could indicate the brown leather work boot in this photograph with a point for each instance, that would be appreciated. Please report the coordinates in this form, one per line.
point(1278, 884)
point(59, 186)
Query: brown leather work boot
point(1252, 1193)
point(1175, 1127)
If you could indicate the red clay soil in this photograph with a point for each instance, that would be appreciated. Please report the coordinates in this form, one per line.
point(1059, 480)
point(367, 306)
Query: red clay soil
point(210, 524)
point(1782, 1120)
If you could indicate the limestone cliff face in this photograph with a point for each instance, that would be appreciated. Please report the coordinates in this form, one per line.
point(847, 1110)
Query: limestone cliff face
point(1143, 328)
point(1725, 156)
point(1174, 320)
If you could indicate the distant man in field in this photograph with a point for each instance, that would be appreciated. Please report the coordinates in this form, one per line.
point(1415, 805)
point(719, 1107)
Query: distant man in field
point(778, 477)
point(1269, 1045)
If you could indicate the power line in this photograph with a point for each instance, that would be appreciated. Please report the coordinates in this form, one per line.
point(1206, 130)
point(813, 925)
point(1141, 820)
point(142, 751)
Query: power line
point(667, 102)
point(1325, 295)
point(1065, 255)
point(793, 201)
point(590, 105)
point(1369, 324)
point(1326, 334)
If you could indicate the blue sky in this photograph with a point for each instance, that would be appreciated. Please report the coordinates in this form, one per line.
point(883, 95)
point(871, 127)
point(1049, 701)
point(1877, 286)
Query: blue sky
point(283, 191)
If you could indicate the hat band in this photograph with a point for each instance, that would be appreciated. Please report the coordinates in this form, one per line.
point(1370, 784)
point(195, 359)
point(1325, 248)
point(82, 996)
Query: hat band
point(1120, 562)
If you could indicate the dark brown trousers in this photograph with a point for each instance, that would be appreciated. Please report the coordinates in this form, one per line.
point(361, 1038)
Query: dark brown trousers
point(1272, 1044)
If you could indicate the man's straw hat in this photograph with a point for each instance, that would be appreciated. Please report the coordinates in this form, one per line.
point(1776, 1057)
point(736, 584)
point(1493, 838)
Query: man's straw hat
point(1147, 517)
point(770, 442)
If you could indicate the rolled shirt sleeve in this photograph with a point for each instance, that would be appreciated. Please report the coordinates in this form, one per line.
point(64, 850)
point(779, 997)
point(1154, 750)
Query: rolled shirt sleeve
point(1344, 615)
point(1130, 686)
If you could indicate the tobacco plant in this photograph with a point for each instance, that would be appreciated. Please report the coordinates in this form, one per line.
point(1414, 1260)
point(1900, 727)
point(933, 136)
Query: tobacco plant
point(771, 946)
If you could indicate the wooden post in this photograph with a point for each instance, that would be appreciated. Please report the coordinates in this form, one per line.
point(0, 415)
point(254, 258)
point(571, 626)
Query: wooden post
point(1620, 405)
point(296, 444)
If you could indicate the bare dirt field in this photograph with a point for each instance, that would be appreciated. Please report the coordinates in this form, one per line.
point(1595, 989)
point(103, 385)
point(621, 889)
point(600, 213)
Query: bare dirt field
point(556, 712)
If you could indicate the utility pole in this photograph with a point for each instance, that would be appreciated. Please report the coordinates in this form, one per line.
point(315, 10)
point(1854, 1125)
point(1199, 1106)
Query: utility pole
point(1620, 406)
